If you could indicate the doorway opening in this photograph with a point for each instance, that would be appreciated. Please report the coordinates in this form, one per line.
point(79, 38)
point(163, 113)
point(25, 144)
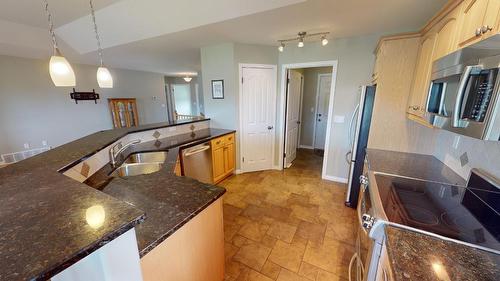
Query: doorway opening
point(184, 100)
point(307, 91)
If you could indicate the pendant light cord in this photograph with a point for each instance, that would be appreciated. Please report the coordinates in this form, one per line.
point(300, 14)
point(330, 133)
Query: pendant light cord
point(99, 48)
point(51, 25)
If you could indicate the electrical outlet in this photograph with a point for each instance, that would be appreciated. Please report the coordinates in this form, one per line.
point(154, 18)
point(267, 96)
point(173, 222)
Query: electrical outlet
point(26, 146)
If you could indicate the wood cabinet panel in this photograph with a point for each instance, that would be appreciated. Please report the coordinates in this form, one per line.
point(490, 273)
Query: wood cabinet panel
point(492, 18)
point(194, 252)
point(472, 17)
point(229, 158)
point(422, 74)
point(223, 157)
point(218, 163)
point(446, 31)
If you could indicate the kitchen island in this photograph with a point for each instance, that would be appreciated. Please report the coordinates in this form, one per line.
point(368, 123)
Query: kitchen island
point(44, 226)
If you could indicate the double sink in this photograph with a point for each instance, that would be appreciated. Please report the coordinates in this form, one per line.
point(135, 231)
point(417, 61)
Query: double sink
point(141, 164)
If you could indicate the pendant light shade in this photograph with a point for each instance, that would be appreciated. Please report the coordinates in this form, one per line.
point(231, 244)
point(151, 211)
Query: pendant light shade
point(60, 70)
point(187, 79)
point(104, 78)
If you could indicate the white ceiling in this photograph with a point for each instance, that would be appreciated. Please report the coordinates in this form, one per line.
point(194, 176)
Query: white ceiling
point(165, 36)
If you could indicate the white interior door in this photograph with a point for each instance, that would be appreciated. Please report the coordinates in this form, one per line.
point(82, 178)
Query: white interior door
point(292, 116)
point(322, 101)
point(258, 106)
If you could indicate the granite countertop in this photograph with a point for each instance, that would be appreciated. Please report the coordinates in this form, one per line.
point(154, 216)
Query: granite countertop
point(412, 165)
point(43, 227)
point(168, 205)
point(416, 256)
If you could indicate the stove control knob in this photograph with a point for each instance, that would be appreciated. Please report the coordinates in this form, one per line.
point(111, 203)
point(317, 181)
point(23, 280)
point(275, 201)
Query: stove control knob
point(363, 180)
point(367, 221)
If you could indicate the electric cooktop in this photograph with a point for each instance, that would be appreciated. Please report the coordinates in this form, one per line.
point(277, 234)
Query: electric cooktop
point(469, 214)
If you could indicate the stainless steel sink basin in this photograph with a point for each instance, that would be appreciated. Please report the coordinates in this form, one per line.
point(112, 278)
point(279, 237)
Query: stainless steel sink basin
point(147, 157)
point(135, 169)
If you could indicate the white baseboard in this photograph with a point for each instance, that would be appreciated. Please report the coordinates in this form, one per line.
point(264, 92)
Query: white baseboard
point(306, 146)
point(277, 167)
point(335, 179)
point(238, 171)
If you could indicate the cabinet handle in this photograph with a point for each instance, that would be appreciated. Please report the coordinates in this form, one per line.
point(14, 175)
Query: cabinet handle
point(486, 28)
point(479, 31)
point(217, 142)
point(415, 107)
point(230, 138)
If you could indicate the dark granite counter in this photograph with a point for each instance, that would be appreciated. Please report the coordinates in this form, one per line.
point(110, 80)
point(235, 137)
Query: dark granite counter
point(416, 256)
point(169, 201)
point(412, 165)
point(43, 227)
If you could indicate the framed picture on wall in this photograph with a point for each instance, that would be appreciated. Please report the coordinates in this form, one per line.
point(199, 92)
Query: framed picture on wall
point(217, 89)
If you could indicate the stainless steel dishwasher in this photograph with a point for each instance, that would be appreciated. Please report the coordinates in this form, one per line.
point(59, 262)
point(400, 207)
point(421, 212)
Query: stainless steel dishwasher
point(197, 162)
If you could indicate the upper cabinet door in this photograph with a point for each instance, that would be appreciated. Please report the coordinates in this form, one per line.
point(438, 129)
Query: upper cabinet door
point(420, 87)
point(446, 30)
point(473, 13)
point(491, 19)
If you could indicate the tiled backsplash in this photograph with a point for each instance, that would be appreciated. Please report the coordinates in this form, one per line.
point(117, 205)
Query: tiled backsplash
point(87, 168)
point(455, 150)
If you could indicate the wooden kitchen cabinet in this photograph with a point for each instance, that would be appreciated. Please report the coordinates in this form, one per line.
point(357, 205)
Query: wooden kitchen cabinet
point(420, 85)
point(223, 157)
point(446, 31)
point(479, 19)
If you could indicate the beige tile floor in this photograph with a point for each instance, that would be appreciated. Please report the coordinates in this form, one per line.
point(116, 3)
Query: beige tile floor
point(287, 225)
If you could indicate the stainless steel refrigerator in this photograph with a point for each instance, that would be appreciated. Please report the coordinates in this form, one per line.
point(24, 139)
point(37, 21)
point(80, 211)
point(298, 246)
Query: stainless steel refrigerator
point(359, 129)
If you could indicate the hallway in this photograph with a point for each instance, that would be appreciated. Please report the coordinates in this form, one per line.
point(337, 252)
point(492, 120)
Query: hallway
point(287, 225)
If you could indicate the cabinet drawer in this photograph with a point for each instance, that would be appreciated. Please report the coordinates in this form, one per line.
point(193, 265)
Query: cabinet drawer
point(229, 139)
point(218, 142)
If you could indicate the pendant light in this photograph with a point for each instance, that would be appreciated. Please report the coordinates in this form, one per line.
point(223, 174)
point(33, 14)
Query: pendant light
point(104, 78)
point(60, 70)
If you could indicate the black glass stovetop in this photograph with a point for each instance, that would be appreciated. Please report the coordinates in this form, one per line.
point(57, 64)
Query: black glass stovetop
point(469, 214)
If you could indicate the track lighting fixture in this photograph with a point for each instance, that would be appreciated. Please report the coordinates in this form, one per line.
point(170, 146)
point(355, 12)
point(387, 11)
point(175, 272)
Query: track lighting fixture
point(281, 47)
point(324, 41)
point(301, 36)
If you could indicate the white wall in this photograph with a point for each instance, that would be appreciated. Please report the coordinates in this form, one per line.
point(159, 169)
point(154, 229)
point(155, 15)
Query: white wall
point(32, 109)
point(355, 64)
point(222, 62)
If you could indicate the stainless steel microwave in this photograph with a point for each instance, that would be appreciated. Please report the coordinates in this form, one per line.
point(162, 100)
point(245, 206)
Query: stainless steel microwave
point(464, 91)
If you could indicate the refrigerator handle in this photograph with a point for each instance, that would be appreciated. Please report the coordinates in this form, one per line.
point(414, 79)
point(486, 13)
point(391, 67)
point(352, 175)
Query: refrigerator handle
point(351, 123)
point(348, 157)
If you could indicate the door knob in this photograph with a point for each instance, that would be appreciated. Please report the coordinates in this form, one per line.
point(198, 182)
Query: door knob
point(270, 127)
point(486, 28)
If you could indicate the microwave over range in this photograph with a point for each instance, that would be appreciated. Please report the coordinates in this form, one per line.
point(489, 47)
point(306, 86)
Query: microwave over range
point(464, 91)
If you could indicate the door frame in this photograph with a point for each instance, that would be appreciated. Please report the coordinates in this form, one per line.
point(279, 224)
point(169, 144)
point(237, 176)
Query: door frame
point(239, 135)
point(282, 107)
point(316, 106)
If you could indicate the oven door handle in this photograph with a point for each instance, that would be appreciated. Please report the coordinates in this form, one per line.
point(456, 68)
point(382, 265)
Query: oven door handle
point(460, 95)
